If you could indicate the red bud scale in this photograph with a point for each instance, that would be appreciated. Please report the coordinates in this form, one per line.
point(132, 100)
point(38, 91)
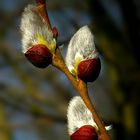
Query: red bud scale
point(86, 132)
point(88, 70)
point(39, 55)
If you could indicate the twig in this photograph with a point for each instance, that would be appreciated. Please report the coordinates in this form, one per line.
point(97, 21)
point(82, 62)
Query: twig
point(41, 8)
point(79, 85)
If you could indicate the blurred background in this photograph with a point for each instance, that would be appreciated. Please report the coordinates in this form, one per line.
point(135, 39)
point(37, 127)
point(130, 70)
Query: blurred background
point(33, 102)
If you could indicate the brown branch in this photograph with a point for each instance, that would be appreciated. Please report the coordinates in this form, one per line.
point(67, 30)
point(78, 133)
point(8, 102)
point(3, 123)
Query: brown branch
point(79, 85)
point(41, 9)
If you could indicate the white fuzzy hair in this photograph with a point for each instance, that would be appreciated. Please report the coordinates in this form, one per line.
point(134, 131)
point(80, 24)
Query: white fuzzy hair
point(78, 115)
point(81, 45)
point(31, 25)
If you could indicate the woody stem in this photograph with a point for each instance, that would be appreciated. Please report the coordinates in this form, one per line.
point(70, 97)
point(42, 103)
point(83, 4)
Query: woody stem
point(81, 87)
point(41, 9)
point(83, 91)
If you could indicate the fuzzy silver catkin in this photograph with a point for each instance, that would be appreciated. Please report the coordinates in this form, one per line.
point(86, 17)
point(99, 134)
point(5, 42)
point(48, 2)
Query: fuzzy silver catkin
point(78, 115)
point(82, 45)
point(31, 25)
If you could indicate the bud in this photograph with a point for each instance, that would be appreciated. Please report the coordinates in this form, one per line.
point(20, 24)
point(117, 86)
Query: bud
point(55, 32)
point(81, 125)
point(86, 132)
point(82, 57)
point(38, 43)
point(39, 55)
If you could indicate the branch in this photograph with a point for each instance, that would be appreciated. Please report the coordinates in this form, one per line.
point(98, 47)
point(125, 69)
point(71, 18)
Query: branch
point(79, 85)
point(41, 8)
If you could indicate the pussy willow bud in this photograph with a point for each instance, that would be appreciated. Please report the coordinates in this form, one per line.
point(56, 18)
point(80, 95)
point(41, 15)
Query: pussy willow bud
point(82, 57)
point(38, 42)
point(81, 125)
